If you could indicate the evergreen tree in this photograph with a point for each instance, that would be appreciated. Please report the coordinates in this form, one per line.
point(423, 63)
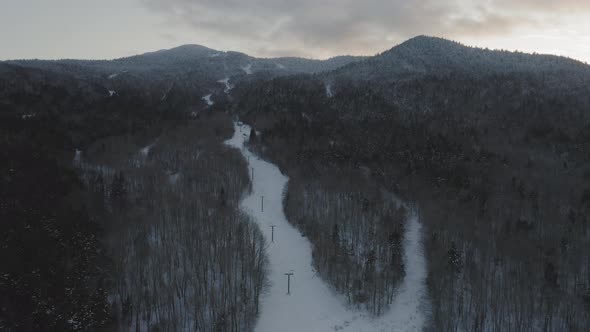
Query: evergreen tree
point(586, 297)
point(395, 246)
point(252, 135)
point(571, 216)
point(550, 274)
point(454, 258)
point(118, 188)
point(585, 200)
point(97, 187)
point(370, 264)
point(335, 235)
point(118, 192)
point(222, 197)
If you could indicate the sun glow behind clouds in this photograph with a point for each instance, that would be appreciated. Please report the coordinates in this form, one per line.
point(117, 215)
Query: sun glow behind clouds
point(311, 28)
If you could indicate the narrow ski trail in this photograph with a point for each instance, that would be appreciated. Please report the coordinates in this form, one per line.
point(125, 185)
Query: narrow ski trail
point(311, 304)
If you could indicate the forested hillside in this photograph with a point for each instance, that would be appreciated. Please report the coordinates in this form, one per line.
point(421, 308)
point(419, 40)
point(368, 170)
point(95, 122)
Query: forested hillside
point(105, 208)
point(497, 162)
point(53, 262)
point(357, 232)
point(170, 207)
point(119, 202)
point(431, 56)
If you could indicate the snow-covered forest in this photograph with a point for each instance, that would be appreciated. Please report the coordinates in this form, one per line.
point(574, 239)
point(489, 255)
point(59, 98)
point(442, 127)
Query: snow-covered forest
point(321, 295)
point(357, 233)
point(499, 176)
point(184, 255)
point(432, 187)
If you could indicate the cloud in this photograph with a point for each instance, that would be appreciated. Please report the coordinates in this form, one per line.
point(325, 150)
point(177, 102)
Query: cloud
point(487, 23)
point(324, 28)
point(544, 5)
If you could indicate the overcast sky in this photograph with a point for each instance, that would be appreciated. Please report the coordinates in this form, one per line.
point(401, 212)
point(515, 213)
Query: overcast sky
point(102, 29)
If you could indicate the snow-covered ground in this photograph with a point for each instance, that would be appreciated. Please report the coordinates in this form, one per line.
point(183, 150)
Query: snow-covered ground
point(208, 100)
point(329, 92)
point(248, 69)
point(228, 86)
point(165, 93)
point(145, 151)
point(78, 157)
point(173, 178)
point(312, 305)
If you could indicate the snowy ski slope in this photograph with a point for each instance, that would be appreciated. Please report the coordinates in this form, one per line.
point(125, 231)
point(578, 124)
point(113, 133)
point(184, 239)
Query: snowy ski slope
point(312, 305)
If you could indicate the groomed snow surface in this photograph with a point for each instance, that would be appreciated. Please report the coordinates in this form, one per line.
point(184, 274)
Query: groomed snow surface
point(312, 305)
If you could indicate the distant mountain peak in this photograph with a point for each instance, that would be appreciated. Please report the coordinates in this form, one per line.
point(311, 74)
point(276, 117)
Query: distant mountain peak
point(424, 38)
point(426, 55)
point(427, 42)
point(191, 47)
point(186, 49)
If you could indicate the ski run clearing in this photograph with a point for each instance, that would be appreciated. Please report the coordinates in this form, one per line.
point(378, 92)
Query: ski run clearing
point(312, 305)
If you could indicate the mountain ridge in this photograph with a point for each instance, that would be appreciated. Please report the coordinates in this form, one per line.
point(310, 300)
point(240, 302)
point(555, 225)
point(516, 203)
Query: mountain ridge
point(425, 55)
point(419, 55)
point(188, 72)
